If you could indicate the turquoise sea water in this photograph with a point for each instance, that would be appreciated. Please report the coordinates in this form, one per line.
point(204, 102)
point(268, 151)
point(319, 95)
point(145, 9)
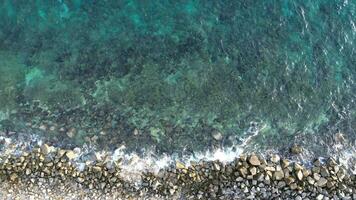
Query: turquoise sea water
point(180, 75)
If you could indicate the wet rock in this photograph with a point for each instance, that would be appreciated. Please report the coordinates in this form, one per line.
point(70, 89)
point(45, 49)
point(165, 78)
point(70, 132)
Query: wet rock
point(70, 155)
point(180, 165)
point(324, 172)
point(285, 163)
point(45, 149)
point(275, 158)
point(254, 160)
point(299, 175)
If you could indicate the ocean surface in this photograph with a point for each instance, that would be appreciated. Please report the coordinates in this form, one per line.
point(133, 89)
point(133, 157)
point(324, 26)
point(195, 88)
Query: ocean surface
point(184, 77)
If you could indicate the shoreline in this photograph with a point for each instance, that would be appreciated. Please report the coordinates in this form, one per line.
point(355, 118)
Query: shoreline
point(54, 172)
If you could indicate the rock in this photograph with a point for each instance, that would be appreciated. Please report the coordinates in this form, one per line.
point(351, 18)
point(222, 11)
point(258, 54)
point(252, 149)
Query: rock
point(331, 162)
point(341, 174)
point(270, 168)
point(289, 180)
point(71, 132)
point(253, 171)
point(293, 186)
point(322, 182)
point(278, 175)
point(306, 172)
point(180, 165)
point(13, 177)
point(285, 163)
point(324, 172)
point(70, 155)
point(316, 176)
point(317, 162)
point(298, 198)
point(320, 197)
point(217, 135)
point(61, 153)
point(97, 169)
point(299, 175)
point(243, 171)
point(310, 180)
point(297, 167)
point(281, 184)
point(254, 160)
point(81, 180)
point(46, 149)
point(296, 149)
point(216, 166)
point(275, 158)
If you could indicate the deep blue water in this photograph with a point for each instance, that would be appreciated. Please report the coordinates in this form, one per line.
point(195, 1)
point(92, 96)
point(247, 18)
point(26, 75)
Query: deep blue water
point(180, 75)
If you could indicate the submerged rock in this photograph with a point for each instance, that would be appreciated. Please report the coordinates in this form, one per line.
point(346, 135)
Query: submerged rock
point(296, 149)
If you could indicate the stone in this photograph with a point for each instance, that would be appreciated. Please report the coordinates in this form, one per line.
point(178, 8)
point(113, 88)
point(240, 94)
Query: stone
point(217, 135)
point(275, 158)
point(45, 149)
point(324, 172)
point(243, 171)
point(71, 132)
point(341, 174)
point(270, 168)
point(316, 176)
point(180, 165)
point(317, 162)
point(289, 180)
point(253, 171)
point(299, 175)
point(281, 184)
point(322, 182)
point(254, 160)
point(297, 167)
point(310, 180)
point(81, 180)
point(331, 162)
point(70, 155)
point(293, 186)
point(285, 163)
point(13, 177)
point(278, 175)
point(296, 149)
point(306, 172)
point(298, 198)
point(217, 166)
point(320, 197)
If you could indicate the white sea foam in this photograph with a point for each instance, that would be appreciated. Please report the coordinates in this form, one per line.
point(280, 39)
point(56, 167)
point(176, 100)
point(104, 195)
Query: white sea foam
point(133, 164)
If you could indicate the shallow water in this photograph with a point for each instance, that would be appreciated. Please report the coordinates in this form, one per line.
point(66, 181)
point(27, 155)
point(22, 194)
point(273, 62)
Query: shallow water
point(180, 77)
